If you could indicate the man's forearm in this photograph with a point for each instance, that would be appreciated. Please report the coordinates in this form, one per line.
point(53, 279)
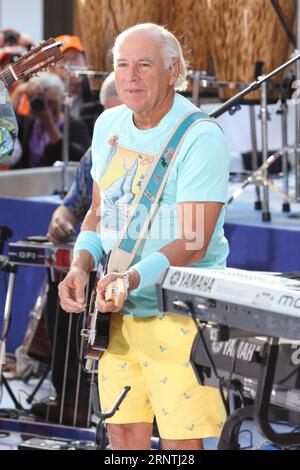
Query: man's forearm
point(84, 261)
point(84, 258)
point(178, 254)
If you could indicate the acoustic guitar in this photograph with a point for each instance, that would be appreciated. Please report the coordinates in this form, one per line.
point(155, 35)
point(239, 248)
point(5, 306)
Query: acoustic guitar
point(97, 332)
point(37, 59)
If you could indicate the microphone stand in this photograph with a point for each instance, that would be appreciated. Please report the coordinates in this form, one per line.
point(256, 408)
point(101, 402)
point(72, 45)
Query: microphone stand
point(231, 104)
point(65, 146)
point(235, 100)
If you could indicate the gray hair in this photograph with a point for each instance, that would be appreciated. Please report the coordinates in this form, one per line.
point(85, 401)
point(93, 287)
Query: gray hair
point(48, 80)
point(171, 49)
point(108, 89)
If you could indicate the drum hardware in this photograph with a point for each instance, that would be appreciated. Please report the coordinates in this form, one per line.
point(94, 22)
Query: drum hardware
point(252, 87)
point(285, 161)
point(266, 215)
point(231, 105)
point(196, 88)
point(262, 171)
point(30, 398)
point(257, 204)
point(258, 177)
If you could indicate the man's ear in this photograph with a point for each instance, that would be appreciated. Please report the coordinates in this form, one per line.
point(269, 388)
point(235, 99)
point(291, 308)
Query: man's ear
point(174, 71)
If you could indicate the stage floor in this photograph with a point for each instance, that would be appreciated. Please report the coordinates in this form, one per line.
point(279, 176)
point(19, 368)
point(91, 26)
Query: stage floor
point(250, 437)
point(271, 246)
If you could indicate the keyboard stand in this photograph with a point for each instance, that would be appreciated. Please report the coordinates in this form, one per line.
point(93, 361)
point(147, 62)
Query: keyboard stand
point(259, 410)
point(10, 268)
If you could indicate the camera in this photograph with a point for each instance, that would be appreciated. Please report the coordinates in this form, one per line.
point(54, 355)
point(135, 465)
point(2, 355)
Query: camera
point(11, 37)
point(37, 103)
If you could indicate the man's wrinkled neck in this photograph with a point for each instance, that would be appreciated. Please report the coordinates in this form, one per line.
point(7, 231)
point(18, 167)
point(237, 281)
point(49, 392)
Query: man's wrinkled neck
point(149, 119)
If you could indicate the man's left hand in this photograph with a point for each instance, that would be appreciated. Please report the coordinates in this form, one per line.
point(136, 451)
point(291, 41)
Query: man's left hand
point(104, 305)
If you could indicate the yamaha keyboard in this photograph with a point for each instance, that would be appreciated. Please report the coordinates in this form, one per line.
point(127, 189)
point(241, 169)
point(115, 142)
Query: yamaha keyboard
point(264, 304)
point(248, 304)
point(239, 361)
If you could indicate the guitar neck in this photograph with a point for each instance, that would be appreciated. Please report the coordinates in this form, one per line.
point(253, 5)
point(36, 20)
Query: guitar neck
point(8, 76)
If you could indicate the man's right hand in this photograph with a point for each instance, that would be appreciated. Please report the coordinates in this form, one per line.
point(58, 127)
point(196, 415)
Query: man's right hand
point(72, 290)
point(60, 230)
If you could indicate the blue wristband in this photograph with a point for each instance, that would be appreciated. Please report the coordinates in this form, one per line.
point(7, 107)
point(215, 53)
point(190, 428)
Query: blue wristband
point(91, 242)
point(150, 268)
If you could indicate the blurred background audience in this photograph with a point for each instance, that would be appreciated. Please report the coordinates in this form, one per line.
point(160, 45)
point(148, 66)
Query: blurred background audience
point(39, 103)
point(41, 132)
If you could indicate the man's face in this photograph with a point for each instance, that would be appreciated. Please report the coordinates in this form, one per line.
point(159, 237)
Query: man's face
point(142, 81)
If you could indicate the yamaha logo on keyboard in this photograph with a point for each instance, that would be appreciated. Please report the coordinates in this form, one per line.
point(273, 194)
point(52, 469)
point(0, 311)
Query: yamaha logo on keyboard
point(192, 281)
point(289, 301)
point(242, 350)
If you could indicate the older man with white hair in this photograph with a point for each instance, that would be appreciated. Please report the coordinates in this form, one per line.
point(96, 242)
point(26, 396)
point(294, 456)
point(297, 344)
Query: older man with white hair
point(147, 350)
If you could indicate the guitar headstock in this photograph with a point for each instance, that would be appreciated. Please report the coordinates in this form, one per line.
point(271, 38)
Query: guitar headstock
point(116, 292)
point(38, 58)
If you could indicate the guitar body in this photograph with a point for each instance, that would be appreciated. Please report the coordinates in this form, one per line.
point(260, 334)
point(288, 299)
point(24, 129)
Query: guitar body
point(97, 333)
point(98, 323)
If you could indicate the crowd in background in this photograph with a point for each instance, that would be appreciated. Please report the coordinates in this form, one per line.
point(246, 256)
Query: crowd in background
point(39, 104)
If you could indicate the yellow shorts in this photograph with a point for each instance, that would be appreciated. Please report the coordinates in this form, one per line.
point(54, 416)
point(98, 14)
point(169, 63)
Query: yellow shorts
point(151, 355)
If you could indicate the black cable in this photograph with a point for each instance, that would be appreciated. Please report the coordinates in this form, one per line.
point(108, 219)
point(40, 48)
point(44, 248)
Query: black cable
point(251, 438)
point(242, 397)
point(213, 366)
point(232, 367)
point(284, 23)
point(287, 377)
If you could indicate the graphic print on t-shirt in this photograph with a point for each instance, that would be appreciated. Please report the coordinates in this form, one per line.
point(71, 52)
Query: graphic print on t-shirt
point(120, 186)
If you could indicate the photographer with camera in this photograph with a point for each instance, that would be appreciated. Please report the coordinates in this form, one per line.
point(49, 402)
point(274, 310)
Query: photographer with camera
point(41, 133)
point(11, 37)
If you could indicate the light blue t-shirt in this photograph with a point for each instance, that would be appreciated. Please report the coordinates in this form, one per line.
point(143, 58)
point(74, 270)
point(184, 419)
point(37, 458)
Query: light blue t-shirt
point(122, 154)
